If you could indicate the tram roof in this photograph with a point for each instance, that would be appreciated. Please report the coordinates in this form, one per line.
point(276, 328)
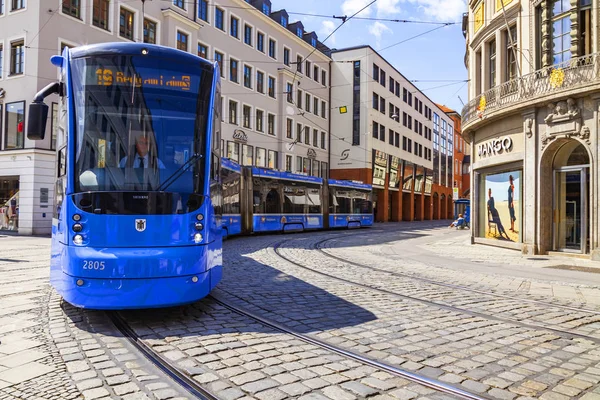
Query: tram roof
point(270, 173)
point(349, 184)
point(229, 164)
point(135, 48)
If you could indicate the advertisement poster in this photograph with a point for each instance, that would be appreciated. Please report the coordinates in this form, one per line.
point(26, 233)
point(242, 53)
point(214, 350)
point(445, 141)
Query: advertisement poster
point(503, 205)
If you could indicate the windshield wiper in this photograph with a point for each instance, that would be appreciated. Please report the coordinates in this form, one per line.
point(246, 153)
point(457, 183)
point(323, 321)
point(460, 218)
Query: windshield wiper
point(179, 172)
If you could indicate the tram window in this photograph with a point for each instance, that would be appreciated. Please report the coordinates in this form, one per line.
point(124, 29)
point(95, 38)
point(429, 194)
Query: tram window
point(362, 203)
point(231, 191)
point(314, 200)
point(272, 203)
point(266, 198)
point(294, 199)
point(342, 202)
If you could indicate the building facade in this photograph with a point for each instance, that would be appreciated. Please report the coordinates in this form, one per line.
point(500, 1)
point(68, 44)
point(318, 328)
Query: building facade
point(532, 122)
point(460, 180)
point(275, 79)
point(387, 133)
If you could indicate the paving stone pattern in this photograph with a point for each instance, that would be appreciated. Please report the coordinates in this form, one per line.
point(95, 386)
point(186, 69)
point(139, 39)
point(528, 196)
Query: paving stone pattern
point(495, 358)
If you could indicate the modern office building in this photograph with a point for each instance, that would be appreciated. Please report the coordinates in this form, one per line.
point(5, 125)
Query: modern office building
point(388, 133)
point(275, 78)
point(532, 122)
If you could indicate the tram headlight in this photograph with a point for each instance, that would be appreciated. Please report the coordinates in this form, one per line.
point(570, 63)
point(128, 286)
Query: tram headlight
point(144, 51)
point(199, 226)
point(78, 239)
point(77, 227)
point(76, 217)
point(199, 217)
point(197, 237)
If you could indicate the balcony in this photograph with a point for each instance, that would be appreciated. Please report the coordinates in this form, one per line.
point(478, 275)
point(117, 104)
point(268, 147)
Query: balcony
point(581, 73)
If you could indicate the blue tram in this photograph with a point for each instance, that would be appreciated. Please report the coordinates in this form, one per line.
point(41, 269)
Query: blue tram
point(137, 218)
point(265, 200)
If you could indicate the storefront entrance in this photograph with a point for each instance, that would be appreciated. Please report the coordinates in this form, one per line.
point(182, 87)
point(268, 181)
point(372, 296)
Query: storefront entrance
point(9, 203)
point(570, 203)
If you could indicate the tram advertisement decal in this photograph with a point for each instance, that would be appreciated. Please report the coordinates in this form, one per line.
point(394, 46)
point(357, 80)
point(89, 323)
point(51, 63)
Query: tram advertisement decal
point(502, 206)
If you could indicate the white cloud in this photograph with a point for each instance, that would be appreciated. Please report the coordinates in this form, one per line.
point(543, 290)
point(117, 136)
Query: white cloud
point(378, 29)
point(326, 28)
point(387, 7)
point(442, 10)
point(349, 7)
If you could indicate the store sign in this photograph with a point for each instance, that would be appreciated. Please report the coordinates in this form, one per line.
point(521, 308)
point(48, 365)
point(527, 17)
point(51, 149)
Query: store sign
point(240, 136)
point(311, 154)
point(495, 147)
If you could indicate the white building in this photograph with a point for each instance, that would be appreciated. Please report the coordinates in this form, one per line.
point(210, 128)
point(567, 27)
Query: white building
point(275, 79)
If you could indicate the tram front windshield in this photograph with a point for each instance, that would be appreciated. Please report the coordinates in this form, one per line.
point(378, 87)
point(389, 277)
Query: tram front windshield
point(140, 124)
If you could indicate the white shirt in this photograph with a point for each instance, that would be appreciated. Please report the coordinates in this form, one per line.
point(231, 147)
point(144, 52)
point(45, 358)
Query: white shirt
point(138, 160)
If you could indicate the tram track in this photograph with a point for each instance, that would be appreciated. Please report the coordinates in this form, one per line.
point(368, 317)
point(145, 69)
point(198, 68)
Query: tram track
point(528, 325)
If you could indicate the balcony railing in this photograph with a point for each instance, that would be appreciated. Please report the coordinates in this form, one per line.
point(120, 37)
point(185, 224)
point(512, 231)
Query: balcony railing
point(577, 72)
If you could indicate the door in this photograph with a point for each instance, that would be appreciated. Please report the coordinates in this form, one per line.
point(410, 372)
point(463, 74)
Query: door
point(570, 209)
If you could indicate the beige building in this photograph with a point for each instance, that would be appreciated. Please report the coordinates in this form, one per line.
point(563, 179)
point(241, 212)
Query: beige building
point(389, 134)
point(532, 121)
point(275, 79)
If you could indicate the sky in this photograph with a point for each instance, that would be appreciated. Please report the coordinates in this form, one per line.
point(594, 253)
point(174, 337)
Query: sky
point(437, 56)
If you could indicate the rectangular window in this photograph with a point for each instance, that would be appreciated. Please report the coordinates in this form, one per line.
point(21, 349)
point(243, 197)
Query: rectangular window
point(585, 27)
point(356, 103)
point(324, 78)
point(219, 16)
point(306, 165)
point(382, 133)
point(316, 168)
point(511, 60)
point(324, 170)
point(315, 138)
point(259, 120)
point(375, 130)
point(397, 139)
point(100, 14)
point(316, 73)
point(307, 102)
point(261, 157)
point(272, 49)
point(289, 124)
point(299, 98)
point(323, 140)
point(202, 50)
point(299, 64)
point(308, 67)
point(17, 5)
point(219, 60)
point(323, 109)
point(409, 98)
point(233, 70)
point(17, 58)
point(375, 101)
point(248, 34)
point(375, 73)
point(382, 78)
point(203, 10)
point(260, 42)
point(271, 87)
point(72, 8)
point(247, 155)
point(492, 53)
point(299, 133)
point(286, 56)
point(290, 93)
point(246, 113)
point(272, 159)
point(233, 151)
point(260, 82)
point(271, 124)
point(288, 162)
point(248, 77)
point(179, 3)
point(315, 106)
point(382, 105)
point(126, 24)
point(232, 112)
point(182, 41)
point(233, 27)
point(306, 135)
point(149, 30)
point(14, 137)
point(391, 137)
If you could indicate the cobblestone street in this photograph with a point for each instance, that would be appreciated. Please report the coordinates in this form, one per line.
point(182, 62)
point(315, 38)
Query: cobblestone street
point(377, 313)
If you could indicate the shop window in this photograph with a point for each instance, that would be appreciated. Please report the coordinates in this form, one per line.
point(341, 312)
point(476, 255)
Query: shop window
point(14, 137)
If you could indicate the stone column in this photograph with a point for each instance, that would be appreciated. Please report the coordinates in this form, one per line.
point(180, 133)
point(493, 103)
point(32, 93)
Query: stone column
point(529, 194)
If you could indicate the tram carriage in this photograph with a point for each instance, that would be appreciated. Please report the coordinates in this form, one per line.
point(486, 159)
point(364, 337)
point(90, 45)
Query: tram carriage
point(266, 200)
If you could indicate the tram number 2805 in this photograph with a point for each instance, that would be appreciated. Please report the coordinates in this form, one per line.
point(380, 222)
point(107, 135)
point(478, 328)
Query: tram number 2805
point(96, 265)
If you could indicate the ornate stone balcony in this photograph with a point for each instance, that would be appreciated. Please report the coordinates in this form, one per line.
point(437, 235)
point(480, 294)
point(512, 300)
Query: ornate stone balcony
point(580, 74)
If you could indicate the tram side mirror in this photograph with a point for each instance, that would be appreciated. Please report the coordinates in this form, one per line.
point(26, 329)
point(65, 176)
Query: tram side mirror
point(36, 122)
